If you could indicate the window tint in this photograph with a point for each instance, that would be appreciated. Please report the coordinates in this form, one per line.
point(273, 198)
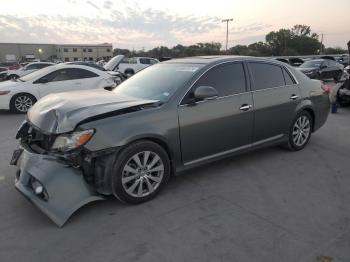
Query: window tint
point(227, 79)
point(77, 73)
point(145, 61)
point(69, 74)
point(287, 77)
point(266, 75)
point(32, 67)
point(43, 65)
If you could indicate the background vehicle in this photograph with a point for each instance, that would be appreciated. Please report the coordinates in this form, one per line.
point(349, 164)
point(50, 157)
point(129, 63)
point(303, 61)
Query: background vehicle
point(165, 119)
point(20, 94)
point(130, 66)
point(11, 65)
point(322, 69)
point(118, 76)
point(29, 68)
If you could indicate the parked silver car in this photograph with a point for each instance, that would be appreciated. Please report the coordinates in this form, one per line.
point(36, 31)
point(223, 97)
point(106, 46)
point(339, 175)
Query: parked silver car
point(76, 148)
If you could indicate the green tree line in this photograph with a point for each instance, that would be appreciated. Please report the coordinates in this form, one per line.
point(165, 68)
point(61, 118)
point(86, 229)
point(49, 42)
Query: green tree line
point(299, 40)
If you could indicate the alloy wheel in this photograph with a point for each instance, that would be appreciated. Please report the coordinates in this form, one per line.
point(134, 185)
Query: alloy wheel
point(23, 103)
point(301, 130)
point(142, 174)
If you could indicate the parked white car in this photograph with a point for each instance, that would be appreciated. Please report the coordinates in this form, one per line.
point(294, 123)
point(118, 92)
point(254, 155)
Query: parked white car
point(27, 69)
point(129, 66)
point(20, 94)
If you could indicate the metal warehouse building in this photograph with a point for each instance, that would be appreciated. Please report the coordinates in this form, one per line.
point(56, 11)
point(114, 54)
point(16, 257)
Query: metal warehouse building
point(10, 52)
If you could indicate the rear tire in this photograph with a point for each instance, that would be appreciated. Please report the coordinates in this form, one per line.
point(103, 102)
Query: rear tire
point(129, 72)
point(12, 77)
point(140, 171)
point(338, 76)
point(21, 103)
point(300, 131)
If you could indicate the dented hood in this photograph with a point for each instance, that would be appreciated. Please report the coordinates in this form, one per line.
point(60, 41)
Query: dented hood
point(62, 112)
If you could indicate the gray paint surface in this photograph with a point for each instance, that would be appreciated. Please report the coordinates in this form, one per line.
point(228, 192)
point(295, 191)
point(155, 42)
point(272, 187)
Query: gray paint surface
point(269, 205)
point(194, 133)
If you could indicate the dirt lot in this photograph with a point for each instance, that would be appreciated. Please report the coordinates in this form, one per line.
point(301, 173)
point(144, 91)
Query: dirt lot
point(269, 205)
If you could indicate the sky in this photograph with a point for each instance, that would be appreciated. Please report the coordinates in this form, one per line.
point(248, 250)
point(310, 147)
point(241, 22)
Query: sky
point(150, 23)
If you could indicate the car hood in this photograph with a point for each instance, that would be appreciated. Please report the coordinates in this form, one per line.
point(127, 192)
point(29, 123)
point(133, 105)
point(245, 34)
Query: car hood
point(113, 63)
point(62, 112)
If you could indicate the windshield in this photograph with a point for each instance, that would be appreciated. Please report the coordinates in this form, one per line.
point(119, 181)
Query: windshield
point(312, 63)
point(35, 74)
point(158, 82)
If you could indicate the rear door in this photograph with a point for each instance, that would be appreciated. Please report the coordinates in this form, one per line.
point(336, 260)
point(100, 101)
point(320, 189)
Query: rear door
point(276, 96)
point(217, 126)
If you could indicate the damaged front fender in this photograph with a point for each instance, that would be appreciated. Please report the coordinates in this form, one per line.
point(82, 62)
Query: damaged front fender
point(55, 187)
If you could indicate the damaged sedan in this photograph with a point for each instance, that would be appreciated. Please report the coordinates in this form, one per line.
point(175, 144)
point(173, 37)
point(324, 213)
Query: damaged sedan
point(80, 147)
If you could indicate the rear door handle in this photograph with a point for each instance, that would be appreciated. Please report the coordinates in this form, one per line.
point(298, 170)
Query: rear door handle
point(294, 97)
point(245, 107)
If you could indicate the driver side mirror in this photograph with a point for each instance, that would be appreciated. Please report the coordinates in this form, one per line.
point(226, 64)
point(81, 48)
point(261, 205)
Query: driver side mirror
point(205, 93)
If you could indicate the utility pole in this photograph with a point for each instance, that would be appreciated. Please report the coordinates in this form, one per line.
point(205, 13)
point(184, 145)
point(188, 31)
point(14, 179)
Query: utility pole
point(321, 47)
point(227, 21)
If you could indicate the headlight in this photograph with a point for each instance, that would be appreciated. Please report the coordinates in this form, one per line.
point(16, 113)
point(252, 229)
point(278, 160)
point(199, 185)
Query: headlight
point(4, 93)
point(73, 140)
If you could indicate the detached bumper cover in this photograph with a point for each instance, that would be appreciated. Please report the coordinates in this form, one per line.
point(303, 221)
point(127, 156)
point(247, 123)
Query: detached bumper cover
point(64, 187)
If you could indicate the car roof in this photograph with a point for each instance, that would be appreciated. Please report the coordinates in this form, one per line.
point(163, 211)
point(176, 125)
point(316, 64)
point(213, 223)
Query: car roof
point(215, 59)
point(35, 63)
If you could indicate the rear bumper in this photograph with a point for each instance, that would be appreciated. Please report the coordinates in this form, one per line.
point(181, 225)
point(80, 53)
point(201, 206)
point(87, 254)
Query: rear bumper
point(64, 188)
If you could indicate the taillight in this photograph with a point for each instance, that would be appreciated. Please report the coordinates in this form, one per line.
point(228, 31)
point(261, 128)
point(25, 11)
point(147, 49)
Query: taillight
point(326, 88)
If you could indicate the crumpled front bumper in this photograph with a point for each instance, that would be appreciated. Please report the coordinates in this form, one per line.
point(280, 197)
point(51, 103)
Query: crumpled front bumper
point(63, 187)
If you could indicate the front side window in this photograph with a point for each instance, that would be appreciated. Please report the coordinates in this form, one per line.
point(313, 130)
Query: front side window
point(266, 75)
point(227, 79)
point(59, 75)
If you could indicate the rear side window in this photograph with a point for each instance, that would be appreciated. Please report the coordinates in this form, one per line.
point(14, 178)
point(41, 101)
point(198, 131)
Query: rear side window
point(78, 73)
point(288, 78)
point(227, 79)
point(145, 61)
point(266, 75)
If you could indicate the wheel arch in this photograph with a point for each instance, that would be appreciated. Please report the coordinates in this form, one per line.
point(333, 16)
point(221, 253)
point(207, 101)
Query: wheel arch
point(22, 93)
point(308, 108)
point(161, 141)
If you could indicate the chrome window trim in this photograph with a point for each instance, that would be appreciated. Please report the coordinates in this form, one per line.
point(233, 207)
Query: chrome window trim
point(216, 98)
point(226, 62)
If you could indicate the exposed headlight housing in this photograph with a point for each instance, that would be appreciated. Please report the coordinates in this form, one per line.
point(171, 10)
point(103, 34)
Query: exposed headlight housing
point(4, 93)
point(67, 142)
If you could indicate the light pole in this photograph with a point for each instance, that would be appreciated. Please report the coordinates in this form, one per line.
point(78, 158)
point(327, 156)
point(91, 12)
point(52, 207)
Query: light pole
point(227, 21)
point(40, 51)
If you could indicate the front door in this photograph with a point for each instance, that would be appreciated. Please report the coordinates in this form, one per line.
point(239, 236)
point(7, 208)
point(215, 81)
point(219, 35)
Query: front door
point(221, 125)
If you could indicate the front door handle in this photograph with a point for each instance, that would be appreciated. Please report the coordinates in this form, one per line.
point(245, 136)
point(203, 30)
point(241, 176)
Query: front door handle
point(245, 107)
point(294, 97)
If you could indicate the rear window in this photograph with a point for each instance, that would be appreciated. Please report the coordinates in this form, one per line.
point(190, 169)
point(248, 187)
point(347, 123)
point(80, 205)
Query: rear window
point(266, 75)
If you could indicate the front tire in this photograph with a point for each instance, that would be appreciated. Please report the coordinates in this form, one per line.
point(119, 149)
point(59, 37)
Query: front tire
point(300, 131)
point(21, 103)
point(140, 171)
